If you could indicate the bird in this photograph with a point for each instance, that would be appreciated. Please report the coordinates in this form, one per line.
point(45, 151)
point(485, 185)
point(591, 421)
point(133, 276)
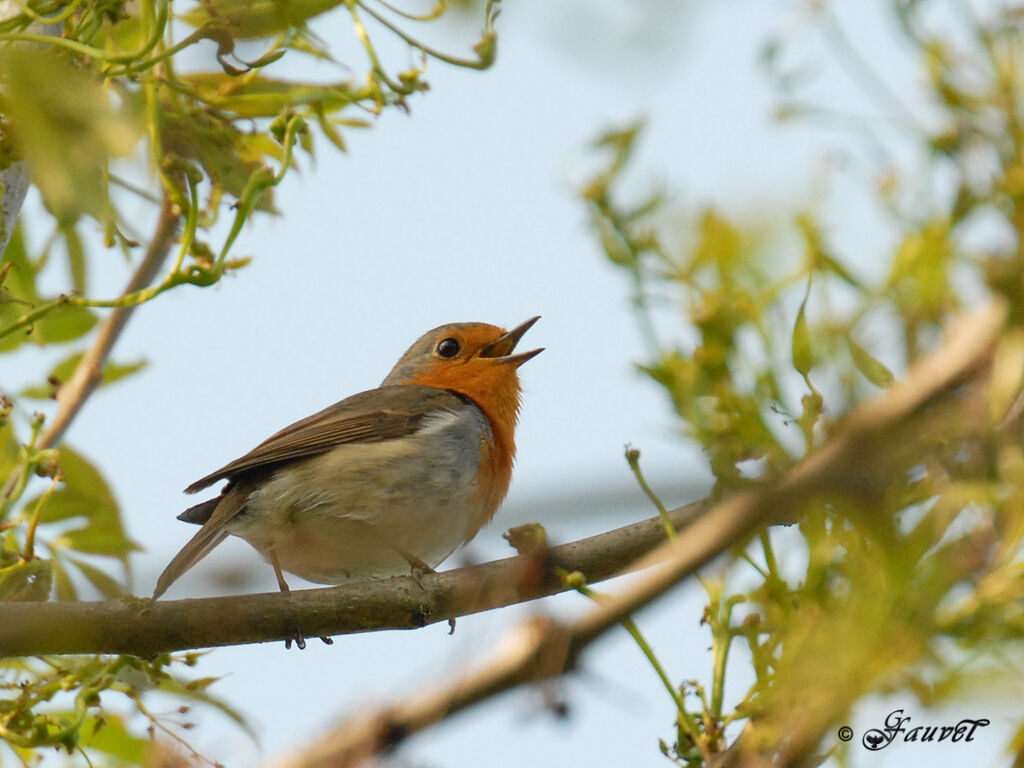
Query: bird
point(385, 482)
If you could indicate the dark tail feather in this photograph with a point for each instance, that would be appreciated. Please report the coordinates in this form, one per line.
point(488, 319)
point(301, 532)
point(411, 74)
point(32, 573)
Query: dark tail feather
point(200, 513)
point(220, 511)
point(199, 547)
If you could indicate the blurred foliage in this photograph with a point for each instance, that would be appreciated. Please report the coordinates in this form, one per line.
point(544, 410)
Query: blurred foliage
point(59, 702)
point(130, 116)
point(909, 581)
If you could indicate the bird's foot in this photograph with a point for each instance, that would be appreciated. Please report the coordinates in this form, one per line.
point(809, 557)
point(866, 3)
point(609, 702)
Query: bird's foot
point(298, 639)
point(418, 569)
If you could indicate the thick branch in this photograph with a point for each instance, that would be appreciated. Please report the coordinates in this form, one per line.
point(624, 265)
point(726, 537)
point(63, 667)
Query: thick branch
point(543, 648)
point(143, 627)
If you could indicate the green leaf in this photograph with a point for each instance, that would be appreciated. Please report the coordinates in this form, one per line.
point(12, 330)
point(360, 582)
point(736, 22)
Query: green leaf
point(63, 324)
point(622, 143)
point(200, 684)
point(61, 373)
point(18, 295)
point(108, 586)
point(261, 96)
point(39, 392)
point(65, 587)
point(228, 156)
point(816, 253)
point(129, 32)
point(833, 265)
point(62, 506)
point(647, 208)
point(246, 19)
point(98, 540)
point(26, 582)
point(67, 125)
point(109, 734)
point(267, 58)
point(9, 451)
point(115, 371)
point(76, 256)
point(615, 247)
point(330, 130)
point(86, 494)
point(803, 357)
point(720, 243)
point(870, 367)
point(920, 271)
point(85, 487)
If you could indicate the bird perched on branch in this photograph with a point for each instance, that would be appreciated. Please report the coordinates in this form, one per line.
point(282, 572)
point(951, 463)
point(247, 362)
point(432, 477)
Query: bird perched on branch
point(385, 481)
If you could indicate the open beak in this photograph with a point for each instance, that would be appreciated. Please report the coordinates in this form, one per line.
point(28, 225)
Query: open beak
point(501, 348)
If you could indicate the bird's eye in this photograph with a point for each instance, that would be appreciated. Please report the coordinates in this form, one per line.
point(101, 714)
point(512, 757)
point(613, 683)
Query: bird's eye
point(448, 348)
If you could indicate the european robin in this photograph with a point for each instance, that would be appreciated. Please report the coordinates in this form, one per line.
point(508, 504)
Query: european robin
point(387, 480)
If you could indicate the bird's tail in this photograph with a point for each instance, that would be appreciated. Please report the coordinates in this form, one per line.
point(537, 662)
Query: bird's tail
point(200, 546)
point(209, 536)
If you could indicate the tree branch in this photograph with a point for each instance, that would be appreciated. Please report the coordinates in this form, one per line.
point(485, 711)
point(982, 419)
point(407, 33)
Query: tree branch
point(144, 627)
point(542, 648)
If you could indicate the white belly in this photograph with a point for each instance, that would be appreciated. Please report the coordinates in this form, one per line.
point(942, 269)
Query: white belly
point(357, 511)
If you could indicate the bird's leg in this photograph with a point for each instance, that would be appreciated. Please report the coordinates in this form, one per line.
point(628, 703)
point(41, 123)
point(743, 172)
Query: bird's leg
point(281, 583)
point(418, 568)
point(300, 641)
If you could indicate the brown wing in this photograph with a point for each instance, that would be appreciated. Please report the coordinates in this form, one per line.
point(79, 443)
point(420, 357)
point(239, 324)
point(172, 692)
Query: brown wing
point(369, 417)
